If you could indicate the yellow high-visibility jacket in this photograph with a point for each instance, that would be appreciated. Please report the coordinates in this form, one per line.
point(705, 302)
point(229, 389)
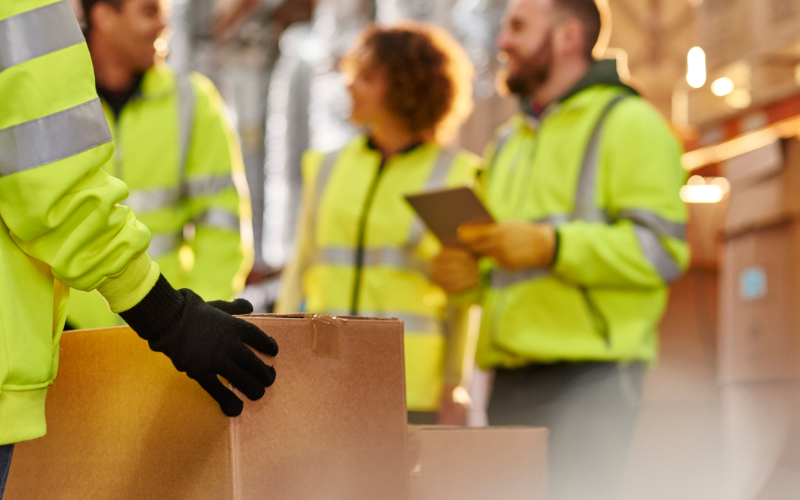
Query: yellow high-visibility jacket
point(60, 224)
point(361, 250)
point(608, 177)
point(178, 154)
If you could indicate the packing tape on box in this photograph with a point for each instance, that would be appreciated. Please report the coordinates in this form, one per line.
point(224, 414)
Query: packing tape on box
point(323, 336)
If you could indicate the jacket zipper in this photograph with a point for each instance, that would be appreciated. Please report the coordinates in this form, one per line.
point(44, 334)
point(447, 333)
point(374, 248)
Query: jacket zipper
point(362, 229)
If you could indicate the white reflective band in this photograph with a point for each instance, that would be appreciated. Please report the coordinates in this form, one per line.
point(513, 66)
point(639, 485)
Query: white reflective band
point(585, 208)
point(412, 323)
point(54, 137)
point(386, 256)
point(502, 278)
point(218, 219)
point(149, 200)
point(657, 254)
point(185, 118)
point(203, 186)
point(163, 244)
point(435, 181)
point(659, 225)
point(37, 32)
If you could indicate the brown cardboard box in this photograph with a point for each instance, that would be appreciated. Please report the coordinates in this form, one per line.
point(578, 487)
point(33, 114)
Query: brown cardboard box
point(477, 463)
point(759, 284)
point(124, 424)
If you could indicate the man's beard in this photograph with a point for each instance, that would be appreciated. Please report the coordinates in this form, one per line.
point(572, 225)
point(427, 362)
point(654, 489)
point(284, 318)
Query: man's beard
point(533, 71)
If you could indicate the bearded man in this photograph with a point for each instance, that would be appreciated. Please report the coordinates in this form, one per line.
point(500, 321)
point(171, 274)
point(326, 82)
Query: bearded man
point(573, 277)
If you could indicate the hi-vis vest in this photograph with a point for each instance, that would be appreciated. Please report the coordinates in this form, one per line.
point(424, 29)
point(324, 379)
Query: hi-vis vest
point(605, 170)
point(60, 224)
point(177, 154)
point(373, 252)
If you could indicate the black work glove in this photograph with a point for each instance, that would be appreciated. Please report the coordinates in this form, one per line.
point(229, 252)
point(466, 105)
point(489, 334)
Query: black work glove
point(204, 340)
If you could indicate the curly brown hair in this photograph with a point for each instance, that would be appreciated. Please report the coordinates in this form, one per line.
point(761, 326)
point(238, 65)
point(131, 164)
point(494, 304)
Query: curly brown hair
point(429, 75)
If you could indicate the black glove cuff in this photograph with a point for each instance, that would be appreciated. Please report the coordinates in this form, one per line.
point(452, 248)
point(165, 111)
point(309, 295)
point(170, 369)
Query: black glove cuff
point(157, 312)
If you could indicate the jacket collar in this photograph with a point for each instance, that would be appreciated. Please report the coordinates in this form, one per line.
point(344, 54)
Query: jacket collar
point(603, 72)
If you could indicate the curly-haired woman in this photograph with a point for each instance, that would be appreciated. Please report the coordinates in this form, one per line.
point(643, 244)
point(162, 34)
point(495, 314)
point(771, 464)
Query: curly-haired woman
point(360, 248)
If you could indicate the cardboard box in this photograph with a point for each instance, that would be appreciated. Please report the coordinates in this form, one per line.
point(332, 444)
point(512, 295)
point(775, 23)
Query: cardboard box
point(477, 463)
point(124, 424)
point(759, 338)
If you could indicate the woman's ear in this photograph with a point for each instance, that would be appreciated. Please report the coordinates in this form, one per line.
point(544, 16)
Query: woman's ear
point(102, 17)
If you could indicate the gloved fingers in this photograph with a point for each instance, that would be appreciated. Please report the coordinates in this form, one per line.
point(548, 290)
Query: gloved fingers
point(238, 306)
point(258, 340)
point(473, 233)
point(227, 400)
point(242, 380)
point(247, 360)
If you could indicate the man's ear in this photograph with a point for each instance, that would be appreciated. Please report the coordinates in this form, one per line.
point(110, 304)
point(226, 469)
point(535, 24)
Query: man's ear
point(568, 37)
point(103, 15)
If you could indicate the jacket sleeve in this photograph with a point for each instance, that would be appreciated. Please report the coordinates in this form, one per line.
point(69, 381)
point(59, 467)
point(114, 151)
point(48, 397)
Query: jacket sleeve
point(290, 296)
point(57, 204)
point(639, 182)
point(218, 200)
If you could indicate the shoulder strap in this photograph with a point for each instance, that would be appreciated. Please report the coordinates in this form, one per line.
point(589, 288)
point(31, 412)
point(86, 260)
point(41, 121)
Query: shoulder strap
point(185, 91)
point(585, 207)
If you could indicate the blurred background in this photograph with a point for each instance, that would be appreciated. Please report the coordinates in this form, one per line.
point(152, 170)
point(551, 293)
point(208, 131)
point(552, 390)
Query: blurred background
point(718, 420)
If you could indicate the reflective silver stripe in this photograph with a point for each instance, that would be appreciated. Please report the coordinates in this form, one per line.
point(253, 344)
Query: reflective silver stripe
point(412, 323)
point(163, 243)
point(185, 119)
point(38, 32)
point(54, 137)
point(203, 186)
point(659, 225)
point(420, 324)
point(435, 181)
point(218, 219)
point(386, 256)
point(655, 252)
point(585, 208)
point(322, 177)
point(502, 278)
point(148, 200)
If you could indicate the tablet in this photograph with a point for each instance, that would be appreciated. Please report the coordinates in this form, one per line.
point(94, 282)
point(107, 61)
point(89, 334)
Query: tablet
point(444, 210)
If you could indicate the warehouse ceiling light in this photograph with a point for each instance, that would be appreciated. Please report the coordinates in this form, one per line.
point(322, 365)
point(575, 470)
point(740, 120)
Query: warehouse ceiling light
point(722, 86)
point(696, 67)
point(701, 190)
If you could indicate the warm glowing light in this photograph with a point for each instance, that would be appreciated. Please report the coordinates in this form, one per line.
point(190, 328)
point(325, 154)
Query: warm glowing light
point(696, 180)
point(722, 86)
point(701, 194)
point(696, 67)
point(738, 99)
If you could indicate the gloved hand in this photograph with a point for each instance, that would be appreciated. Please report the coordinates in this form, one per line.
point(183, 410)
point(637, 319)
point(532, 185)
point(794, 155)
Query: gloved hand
point(204, 340)
point(455, 270)
point(513, 244)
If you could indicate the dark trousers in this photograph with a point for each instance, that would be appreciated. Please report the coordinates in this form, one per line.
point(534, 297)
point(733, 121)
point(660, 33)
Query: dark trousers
point(5, 465)
point(590, 410)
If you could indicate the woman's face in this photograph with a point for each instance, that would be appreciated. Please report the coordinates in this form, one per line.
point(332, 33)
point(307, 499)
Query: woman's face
point(368, 90)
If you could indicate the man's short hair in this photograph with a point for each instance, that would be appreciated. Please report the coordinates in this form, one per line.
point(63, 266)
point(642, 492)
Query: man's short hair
point(587, 12)
point(88, 5)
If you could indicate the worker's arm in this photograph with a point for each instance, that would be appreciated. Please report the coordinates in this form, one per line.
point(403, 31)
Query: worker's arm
point(216, 204)
point(642, 175)
point(290, 297)
point(61, 209)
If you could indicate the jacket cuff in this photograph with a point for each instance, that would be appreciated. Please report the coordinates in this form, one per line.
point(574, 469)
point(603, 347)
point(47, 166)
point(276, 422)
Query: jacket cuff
point(128, 288)
point(157, 311)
